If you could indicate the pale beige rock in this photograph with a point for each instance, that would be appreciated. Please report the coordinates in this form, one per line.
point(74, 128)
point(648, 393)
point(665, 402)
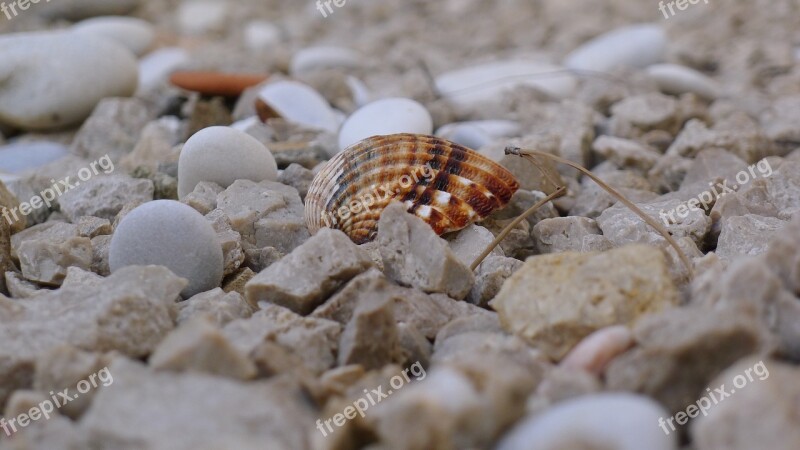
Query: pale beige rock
point(657, 365)
point(635, 115)
point(167, 415)
point(561, 384)
point(314, 340)
point(204, 197)
point(63, 367)
point(304, 278)
point(237, 281)
point(216, 305)
point(113, 129)
point(156, 145)
point(266, 214)
point(371, 337)
point(426, 313)
point(19, 287)
point(46, 260)
point(413, 255)
point(556, 300)
point(768, 395)
point(104, 197)
point(626, 153)
point(198, 345)
point(231, 241)
point(489, 278)
point(746, 235)
point(100, 251)
point(121, 313)
point(90, 226)
point(565, 234)
point(737, 133)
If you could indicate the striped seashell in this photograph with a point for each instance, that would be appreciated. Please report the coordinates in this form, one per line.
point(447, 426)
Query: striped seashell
point(445, 184)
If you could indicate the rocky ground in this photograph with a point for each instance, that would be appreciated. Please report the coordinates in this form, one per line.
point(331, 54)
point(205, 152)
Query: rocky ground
point(172, 268)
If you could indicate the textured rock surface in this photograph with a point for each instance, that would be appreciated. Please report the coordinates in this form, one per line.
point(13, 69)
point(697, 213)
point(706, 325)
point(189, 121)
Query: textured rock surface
point(555, 300)
point(304, 278)
point(104, 197)
point(413, 255)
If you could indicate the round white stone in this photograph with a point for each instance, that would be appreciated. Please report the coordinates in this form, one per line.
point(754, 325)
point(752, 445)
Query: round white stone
point(323, 57)
point(636, 46)
point(55, 79)
point(675, 79)
point(223, 155)
point(22, 156)
point(620, 421)
point(170, 234)
point(299, 103)
point(80, 9)
point(202, 16)
point(478, 133)
point(387, 116)
point(156, 66)
point(475, 85)
point(135, 34)
point(261, 35)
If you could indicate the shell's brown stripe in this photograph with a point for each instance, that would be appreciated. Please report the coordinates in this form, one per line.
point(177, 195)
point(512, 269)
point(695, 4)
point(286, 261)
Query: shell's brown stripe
point(445, 184)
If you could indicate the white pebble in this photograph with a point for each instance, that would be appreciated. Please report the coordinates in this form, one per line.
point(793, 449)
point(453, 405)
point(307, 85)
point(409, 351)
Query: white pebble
point(299, 103)
point(55, 79)
point(19, 157)
point(223, 155)
point(323, 57)
point(636, 46)
point(386, 116)
point(618, 421)
point(156, 67)
point(135, 34)
point(202, 16)
point(360, 91)
point(675, 79)
point(260, 35)
point(595, 351)
point(474, 85)
point(170, 234)
point(478, 133)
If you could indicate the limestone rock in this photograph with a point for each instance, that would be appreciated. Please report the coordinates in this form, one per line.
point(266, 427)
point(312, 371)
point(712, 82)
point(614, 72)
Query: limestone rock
point(46, 260)
point(413, 255)
point(104, 197)
point(198, 345)
point(555, 300)
point(565, 234)
point(489, 278)
point(217, 306)
point(304, 278)
point(371, 337)
point(746, 235)
point(112, 130)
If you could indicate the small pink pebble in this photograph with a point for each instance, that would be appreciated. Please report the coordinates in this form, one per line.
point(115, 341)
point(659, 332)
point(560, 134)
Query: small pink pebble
point(596, 350)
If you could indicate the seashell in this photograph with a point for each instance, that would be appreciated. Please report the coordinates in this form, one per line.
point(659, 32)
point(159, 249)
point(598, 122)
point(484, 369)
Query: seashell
point(297, 103)
point(445, 184)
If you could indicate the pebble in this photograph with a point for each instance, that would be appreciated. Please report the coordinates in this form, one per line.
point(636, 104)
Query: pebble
point(197, 17)
point(478, 133)
point(216, 83)
point(676, 80)
point(18, 157)
point(171, 234)
point(55, 79)
point(636, 46)
point(386, 116)
point(299, 103)
point(472, 86)
point(156, 67)
point(134, 34)
point(82, 9)
point(323, 57)
point(621, 421)
point(223, 155)
point(579, 293)
point(261, 35)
